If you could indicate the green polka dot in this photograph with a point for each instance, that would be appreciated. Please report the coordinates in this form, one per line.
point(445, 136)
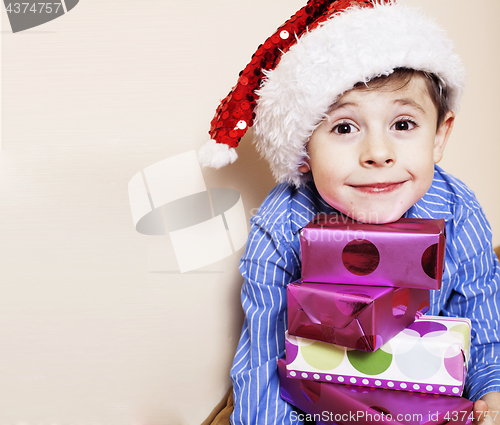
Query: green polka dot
point(322, 356)
point(464, 330)
point(370, 363)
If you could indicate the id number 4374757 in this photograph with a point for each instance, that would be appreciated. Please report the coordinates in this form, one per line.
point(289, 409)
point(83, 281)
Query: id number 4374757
point(486, 415)
point(33, 7)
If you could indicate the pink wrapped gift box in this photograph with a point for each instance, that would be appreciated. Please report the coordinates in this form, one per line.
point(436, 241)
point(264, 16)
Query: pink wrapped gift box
point(346, 404)
point(356, 316)
point(406, 253)
point(429, 356)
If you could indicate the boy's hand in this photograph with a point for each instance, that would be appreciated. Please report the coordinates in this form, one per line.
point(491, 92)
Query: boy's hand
point(486, 410)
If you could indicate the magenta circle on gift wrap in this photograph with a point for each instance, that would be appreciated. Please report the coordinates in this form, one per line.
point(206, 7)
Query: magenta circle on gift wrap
point(429, 261)
point(360, 257)
point(426, 327)
point(400, 301)
point(292, 351)
point(455, 365)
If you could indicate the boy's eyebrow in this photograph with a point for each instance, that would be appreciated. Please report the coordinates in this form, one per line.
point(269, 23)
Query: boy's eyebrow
point(336, 106)
point(411, 103)
point(403, 101)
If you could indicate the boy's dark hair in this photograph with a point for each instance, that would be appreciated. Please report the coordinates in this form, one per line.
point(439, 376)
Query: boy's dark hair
point(402, 76)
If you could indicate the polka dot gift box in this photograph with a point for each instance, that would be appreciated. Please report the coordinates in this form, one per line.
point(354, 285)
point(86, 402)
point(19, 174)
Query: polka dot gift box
point(346, 404)
point(356, 316)
point(429, 356)
point(406, 253)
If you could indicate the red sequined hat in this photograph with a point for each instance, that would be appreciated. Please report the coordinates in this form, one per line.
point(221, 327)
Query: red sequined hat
point(318, 54)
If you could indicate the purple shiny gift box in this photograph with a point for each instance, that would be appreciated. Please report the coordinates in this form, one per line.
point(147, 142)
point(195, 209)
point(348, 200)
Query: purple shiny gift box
point(406, 253)
point(354, 316)
point(331, 404)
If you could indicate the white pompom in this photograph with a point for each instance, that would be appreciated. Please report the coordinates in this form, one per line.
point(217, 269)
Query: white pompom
point(216, 155)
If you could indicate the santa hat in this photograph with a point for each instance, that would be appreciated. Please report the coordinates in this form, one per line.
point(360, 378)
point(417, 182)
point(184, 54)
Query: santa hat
point(309, 62)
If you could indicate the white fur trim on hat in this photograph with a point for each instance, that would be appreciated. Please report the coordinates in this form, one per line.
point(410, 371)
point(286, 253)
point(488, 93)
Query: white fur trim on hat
point(216, 155)
point(353, 46)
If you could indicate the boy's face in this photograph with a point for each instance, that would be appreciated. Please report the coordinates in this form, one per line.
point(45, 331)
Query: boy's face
point(373, 158)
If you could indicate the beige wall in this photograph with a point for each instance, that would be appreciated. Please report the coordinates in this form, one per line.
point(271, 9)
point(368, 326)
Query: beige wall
point(97, 324)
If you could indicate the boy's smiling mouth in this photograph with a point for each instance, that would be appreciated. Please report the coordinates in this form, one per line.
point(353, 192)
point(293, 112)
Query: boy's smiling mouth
point(378, 187)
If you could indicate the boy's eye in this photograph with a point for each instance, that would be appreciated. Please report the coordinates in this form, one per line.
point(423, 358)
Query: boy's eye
point(344, 128)
point(404, 125)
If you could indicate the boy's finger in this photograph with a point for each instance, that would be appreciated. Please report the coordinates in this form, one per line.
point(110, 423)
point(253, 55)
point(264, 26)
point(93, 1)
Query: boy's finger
point(480, 408)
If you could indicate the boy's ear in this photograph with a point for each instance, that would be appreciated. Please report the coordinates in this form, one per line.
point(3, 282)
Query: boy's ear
point(305, 167)
point(442, 135)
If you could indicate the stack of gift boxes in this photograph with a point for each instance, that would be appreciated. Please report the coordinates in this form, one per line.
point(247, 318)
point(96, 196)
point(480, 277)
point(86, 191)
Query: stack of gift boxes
point(358, 347)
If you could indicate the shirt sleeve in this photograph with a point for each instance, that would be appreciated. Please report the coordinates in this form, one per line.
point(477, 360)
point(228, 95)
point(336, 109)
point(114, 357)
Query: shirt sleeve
point(267, 267)
point(476, 294)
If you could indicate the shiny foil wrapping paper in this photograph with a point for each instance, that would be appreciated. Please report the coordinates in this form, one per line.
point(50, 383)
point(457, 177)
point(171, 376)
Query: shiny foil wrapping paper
point(346, 404)
point(355, 316)
point(430, 356)
point(406, 253)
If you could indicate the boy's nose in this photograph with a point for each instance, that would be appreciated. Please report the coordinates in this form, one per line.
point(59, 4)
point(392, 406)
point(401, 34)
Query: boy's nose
point(377, 154)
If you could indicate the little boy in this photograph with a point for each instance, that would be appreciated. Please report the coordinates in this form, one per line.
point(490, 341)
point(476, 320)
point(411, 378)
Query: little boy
point(353, 119)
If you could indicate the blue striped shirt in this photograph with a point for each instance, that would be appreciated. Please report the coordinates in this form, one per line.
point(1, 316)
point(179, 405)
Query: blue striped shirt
point(470, 288)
